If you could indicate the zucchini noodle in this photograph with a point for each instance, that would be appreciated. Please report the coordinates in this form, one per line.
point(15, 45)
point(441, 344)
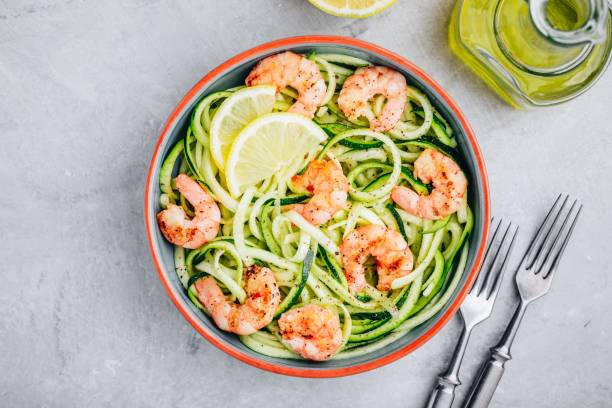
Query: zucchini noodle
point(256, 210)
point(262, 227)
point(331, 79)
point(406, 130)
point(372, 195)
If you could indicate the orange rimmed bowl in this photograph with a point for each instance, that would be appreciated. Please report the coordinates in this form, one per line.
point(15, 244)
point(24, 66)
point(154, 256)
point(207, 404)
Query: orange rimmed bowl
point(232, 73)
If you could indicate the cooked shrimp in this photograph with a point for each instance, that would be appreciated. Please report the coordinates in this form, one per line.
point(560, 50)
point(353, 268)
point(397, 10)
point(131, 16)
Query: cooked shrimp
point(313, 331)
point(326, 181)
point(291, 69)
point(203, 227)
point(449, 187)
point(367, 82)
point(393, 256)
point(257, 311)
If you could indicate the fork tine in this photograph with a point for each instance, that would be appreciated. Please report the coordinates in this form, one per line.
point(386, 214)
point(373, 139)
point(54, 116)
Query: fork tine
point(485, 284)
point(492, 237)
point(556, 258)
point(535, 246)
point(552, 237)
point(496, 283)
point(486, 263)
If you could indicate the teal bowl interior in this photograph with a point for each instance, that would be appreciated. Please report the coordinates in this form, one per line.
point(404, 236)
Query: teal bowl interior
point(233, 74)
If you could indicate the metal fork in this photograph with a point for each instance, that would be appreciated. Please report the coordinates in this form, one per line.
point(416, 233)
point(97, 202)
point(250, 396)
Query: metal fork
point(533, 279)
point(476, 307)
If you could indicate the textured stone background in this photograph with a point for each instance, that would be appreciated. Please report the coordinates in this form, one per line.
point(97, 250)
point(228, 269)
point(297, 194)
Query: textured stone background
point(85, 88)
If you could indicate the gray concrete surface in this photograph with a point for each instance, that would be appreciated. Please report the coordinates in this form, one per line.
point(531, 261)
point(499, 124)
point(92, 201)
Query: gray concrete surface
point(85, 88)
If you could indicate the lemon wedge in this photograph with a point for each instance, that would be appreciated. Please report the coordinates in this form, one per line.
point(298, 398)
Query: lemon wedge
point(270, 146)
point(352, 8)
point(234, 114)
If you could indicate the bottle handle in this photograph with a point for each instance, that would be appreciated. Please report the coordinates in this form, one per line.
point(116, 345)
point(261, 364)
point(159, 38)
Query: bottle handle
point(593, 31)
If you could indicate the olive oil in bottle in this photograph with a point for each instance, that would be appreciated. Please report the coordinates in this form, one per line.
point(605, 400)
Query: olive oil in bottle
point(536, 52)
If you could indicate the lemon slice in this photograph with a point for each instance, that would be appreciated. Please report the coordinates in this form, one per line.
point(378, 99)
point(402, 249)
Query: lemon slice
point(270, 145)
point(352, 8)
point(234, 114)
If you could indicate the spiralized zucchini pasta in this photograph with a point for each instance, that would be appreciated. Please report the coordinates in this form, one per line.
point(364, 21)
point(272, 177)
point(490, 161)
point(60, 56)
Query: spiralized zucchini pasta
point(319, 211)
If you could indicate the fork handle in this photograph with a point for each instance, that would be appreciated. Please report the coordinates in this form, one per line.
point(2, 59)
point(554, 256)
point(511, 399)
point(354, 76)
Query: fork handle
point(493, 370)
point(443, 395)
point(488, 379)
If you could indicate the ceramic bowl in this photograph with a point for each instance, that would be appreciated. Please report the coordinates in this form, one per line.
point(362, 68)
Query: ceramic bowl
point(232, 73)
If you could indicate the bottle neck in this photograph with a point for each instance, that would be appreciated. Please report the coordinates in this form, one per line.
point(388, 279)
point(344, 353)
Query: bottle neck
point(549, 37)
point(589, 25)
